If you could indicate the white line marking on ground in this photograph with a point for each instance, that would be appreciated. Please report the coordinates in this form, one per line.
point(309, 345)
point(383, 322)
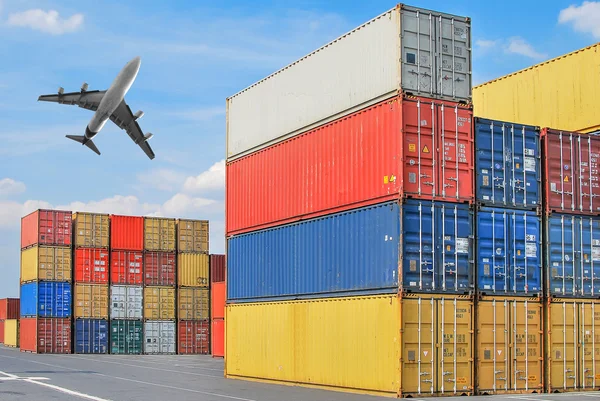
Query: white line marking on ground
point(527, 398)
point(161, 362)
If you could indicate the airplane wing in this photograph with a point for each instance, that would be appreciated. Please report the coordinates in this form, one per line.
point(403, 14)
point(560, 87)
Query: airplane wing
point(84, 99)
point(124, 119)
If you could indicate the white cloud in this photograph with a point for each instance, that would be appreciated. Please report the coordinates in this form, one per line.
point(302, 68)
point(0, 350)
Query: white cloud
point(211, 180)
point(199, 114)
point(486, 44)
point(46, 21)
point(517, 45)
point(584, 18)
point(162, 179)
point(11, 212)
point(9, 187)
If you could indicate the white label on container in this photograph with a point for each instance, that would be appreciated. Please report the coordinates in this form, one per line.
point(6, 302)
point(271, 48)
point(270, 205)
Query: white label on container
point(596, 254)
point(530, 250)
point(552, 186)
point(530, 238)
point(413, 284)
point(486, 260)
point(556, 264)
point(529, 152)
point(484, 171)
point(462, 245)
point(595, 242)
point(529, 164)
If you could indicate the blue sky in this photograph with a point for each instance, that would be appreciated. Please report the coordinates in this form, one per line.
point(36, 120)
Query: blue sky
point(194, 54)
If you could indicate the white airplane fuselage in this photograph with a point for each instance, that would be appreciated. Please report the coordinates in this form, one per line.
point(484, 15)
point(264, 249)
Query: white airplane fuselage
point(113, 97)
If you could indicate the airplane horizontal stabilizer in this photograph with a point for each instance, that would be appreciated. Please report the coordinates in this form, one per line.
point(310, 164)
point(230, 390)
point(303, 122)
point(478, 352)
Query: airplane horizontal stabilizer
point(83, 140)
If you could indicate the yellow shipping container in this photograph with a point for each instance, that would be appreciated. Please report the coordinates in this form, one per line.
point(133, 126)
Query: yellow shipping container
point(159, 234)
point(159, 303)
point(11, 333)
point(193, 303)
point(508, 341)
point(412, 346)
point(192, 269)
point(572, 345)
point(91, 301)
point(91, 230)
point(48, 263)
point(192, 236)
point(561, 93)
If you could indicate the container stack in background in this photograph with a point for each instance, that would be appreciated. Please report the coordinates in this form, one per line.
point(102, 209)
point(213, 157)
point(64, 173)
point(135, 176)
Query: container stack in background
point(90, 299)
point(160, 278)
point(46, 282)
point(9, 321)
point(126, 284)
point(193, 287)
point(217, 299)
point(349, 217)
point(508, 336)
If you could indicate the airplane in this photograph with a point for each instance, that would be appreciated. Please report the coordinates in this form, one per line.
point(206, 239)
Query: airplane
point(107, 104)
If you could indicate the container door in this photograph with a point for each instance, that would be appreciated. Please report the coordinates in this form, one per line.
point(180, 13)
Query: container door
point(561, 255)
point(491, 168)
point(454, 245)
point(526, 253)
point(560, 159)
point(419, 253)
point(493, 346)
point(453, 58)
point(589, 347)
point(594, 254)
point(527, 373)
point(418, 348)
point(418, 44)
point(563, 345)
point(492, 252)
point(524, 169)
point(588, 152)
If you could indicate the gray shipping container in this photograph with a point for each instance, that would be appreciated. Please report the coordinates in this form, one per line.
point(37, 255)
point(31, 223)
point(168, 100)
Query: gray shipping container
point(406, 49)
point(159, 337)
point(126, 301)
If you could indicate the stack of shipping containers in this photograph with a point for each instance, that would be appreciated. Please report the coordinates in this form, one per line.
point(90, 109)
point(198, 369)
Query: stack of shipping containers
point(126, 284)
point(508, 336)
point(193, 292)
point(9, 322)
point(91, 261)
point(160, 277)
point(217, 299)
point(349, 219)
point(46, 282)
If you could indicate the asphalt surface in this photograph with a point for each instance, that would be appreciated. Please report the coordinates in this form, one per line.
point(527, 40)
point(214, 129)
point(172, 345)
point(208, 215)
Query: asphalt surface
point(26, 377)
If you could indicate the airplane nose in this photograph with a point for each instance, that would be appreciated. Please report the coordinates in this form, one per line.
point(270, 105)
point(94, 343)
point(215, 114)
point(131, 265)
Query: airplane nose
point(136, 62)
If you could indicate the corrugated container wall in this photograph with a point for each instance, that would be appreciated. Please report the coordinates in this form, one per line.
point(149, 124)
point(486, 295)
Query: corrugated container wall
point(46, 263)
point(159, 268)
point(217, 299)
point(572, 249)
point(91, 336)
point(509, 252)
point(159, 234)
point(91, 301)
point(571, 175)
point(126, 302)
point(46, 299)
point(573, 347)
point(193, 303)
point(218, 267)
point(126, 336)
point(126, 267)
point(406, 49)
point(419, 345)
point(193, 269)
point(45, 335)
point(361, 250)
point(193, 337)
point(91, 230)
point(192, 236)
point(11, 333)
point(509, 340)
point(9, 308)
point(159, 337)
point(217, 342)
point(561, 93)
point(2, 331)
point(127, 233)
point(418, 148)
point(509, 172)
point(91, 265)
point(46, 227)
point(159, 303)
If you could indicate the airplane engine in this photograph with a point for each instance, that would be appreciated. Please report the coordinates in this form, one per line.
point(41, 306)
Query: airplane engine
point(138, 114)
point(84, 87)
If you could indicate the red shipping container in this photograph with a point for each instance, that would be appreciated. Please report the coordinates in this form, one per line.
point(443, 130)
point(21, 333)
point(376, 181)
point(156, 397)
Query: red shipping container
point(127, 233)
point(194, 337)
point(10, 308)
point(218, 300)
point(46, 227)
point(404, 147)
point(91, 265)
point(571, 173)
point(1, 331)
point(217, 268)
point(126, 267)
point(159, 268)
point(218, 338)
point(45, 335)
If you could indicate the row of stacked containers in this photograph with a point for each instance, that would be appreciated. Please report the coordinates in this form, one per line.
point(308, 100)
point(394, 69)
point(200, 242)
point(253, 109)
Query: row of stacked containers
point(9, 322)
point(390, 242)
point(118, 284)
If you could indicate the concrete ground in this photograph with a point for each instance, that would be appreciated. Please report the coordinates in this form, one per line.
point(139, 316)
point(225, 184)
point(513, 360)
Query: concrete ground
point(26, 377)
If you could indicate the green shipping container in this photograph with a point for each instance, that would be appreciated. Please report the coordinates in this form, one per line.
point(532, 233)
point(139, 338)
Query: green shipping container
point(126, 336)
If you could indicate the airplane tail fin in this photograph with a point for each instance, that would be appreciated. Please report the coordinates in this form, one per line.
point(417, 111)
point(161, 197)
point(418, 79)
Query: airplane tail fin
point(84, 141)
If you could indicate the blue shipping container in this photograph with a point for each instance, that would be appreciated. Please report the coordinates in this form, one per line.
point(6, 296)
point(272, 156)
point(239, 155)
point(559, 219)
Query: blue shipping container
point(509, 257)
point(507, 164)
point(357, 251)
point(91, 336)
point(46, 299)
point(573, 255)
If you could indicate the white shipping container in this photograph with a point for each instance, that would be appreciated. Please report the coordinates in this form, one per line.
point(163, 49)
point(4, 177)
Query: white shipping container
point(406, 49)
point(159, 337)
point(126, 302)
